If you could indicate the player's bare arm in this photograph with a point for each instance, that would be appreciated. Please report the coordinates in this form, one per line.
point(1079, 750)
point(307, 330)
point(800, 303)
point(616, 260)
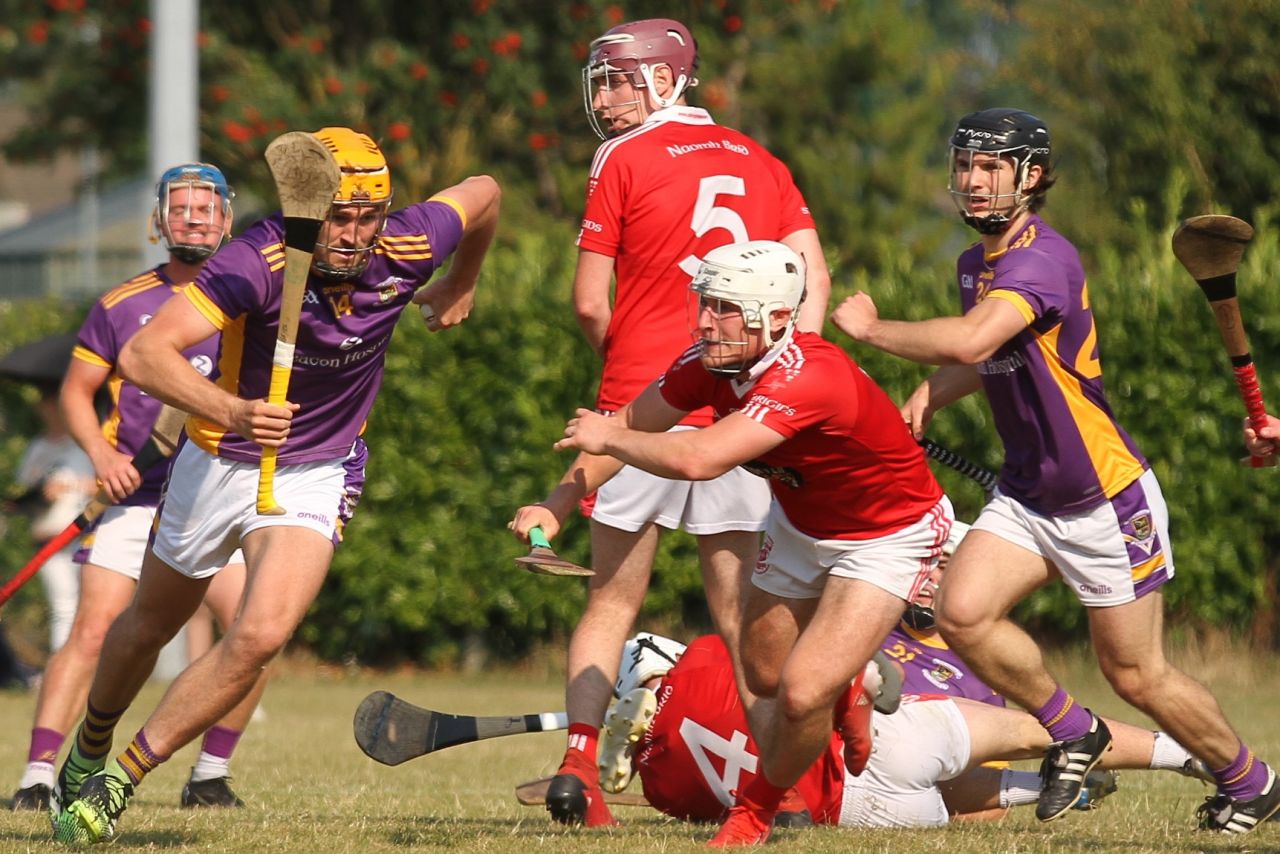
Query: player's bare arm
point(113, 469)
point(152, 359)
point(592, 282)
point(452, 295)
point(941, 389)
point(965, 340)
point(817, 279)
point(685, 455)
point(590, 470)
point(585, 475)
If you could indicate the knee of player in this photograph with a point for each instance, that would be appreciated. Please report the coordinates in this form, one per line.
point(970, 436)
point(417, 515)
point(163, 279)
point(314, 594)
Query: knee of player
point(959, 625)
point(252, 646)
point(760, 680)
point(798, 700)
point(1136, 682)
point(87, 636)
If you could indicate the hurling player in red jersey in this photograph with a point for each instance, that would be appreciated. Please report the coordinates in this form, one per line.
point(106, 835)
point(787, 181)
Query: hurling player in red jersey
point(680, 726)
point(691, 750)
point(667, 185)
point(856, 523)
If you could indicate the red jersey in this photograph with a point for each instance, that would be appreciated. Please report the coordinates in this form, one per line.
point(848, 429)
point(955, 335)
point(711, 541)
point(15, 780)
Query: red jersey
point(658, 199)
point(849, 469)
point(698, 749)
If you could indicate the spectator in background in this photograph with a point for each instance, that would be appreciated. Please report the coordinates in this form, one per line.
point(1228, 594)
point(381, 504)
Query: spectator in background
point(58, 478)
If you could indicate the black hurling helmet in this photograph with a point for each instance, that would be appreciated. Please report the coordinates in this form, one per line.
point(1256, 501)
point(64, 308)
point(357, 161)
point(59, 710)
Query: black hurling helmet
point(1003, 132)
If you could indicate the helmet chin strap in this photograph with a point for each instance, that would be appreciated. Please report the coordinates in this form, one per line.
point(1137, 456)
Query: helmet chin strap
point(919, 618)
point(991, 224)
point(191, 254)
point(730, 370)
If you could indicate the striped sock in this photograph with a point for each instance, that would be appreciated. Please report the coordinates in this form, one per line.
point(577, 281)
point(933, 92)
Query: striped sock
point(138, 759)
point(1063, 717)
point(1244, 778)
point(93, 739)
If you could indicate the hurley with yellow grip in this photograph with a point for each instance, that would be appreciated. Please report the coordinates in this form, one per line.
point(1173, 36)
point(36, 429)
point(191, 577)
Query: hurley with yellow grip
point(306, 176)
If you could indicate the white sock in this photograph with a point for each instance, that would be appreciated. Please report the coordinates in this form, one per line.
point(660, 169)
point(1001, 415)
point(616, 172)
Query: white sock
point(210, 768)
point(37, 774)
point(1168, 754)
point(1019, 787)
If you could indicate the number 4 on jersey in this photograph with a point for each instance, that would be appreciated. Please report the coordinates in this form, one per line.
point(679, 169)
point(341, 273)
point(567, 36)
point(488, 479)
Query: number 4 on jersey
point(704, 744)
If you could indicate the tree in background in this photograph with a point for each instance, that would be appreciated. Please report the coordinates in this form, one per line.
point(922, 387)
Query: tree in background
point(1158, 109)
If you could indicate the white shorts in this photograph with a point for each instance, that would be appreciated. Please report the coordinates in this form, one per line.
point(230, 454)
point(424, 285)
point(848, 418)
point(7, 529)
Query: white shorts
point(794, 565)
point(921, 744)
point(1109, 555)
point(210, 505)
point(118, 541)
point(735, 501)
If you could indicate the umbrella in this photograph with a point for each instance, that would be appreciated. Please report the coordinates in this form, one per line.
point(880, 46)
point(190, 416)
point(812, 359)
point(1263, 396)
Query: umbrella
point(43, 362)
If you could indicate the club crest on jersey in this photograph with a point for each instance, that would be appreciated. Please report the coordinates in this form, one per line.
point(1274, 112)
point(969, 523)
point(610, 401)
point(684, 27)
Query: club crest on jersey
point(1143, 529)
point(942, 674)
point(389, 288)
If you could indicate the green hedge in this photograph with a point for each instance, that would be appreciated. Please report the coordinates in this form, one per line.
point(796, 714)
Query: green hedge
point(462, 434)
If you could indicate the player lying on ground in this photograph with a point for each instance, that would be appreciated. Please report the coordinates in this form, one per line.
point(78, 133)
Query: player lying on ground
point(926, 764)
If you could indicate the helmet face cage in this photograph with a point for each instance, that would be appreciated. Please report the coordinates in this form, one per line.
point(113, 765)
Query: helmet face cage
point(192, 177)
point(365, 186)
point(635, 50)
point(755, 278)
point(1006, 134)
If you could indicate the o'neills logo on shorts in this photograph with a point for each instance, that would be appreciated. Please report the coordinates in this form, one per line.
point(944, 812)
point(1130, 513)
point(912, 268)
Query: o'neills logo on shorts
point(762, 560)
point(317, 517)
point(1096, 589)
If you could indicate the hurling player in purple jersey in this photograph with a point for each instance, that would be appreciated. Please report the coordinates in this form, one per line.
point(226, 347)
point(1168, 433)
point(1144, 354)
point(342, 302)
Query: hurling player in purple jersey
point(369, 265)
point(193, 217)
point(1077, 501)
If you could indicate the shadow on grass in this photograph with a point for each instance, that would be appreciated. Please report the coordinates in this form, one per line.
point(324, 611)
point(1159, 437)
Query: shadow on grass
point(449, 831)
point(126, 839)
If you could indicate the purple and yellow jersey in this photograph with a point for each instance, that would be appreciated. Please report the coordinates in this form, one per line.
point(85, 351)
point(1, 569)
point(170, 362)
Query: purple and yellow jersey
point(1064, 451)
point(931, 667)
point(342, 335)
point(114, 318)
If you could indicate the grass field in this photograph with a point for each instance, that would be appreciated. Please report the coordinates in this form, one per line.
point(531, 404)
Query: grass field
point(309, 788)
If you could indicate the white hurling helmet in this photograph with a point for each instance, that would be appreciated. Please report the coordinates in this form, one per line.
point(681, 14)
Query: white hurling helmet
point(760, 277)
point(644, 657)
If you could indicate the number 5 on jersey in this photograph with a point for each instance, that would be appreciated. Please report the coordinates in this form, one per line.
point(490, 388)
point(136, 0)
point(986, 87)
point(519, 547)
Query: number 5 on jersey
point(708, 215)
